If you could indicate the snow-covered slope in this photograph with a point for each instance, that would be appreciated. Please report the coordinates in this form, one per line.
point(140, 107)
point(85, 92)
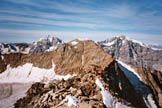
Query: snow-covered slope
point(27, 73)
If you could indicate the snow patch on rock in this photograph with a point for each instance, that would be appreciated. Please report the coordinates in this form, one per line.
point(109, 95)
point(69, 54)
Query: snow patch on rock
point(2, 57)
point(110, 43)
point(72, 101)
point(150, 102)
point(74, 43)
point(138, 42)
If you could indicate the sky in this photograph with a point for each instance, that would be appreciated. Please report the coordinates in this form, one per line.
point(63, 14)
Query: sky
point(29, 20)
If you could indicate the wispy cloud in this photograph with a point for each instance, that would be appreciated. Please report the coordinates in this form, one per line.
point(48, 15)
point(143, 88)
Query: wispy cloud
point(100, 17)
point(68, 35)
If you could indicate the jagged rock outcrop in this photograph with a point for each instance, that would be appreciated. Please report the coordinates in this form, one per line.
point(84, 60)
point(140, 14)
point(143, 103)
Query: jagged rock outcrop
point(133, 52)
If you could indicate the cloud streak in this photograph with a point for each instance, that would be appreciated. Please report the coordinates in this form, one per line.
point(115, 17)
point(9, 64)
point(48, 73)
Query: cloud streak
point(68, 35)
point(81, 16)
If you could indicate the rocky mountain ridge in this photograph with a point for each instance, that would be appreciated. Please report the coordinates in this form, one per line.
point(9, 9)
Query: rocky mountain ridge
point(97, 80)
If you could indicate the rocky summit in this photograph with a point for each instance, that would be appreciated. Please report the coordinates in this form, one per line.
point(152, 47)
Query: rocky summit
point(89, 75)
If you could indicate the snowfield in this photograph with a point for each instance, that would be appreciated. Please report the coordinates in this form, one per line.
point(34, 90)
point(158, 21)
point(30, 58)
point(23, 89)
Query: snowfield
point(28, 73)
point(14, 82)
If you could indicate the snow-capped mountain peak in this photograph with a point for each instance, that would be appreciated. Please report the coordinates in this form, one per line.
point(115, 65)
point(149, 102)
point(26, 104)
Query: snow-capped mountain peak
point(121, 40)
point(47, 43)
point(133, 52)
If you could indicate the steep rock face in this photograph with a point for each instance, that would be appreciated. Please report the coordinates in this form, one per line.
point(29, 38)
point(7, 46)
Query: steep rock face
point(121, 87)
point(153, 80)
point(124, 84)
point(144, 59)
point(133, 52)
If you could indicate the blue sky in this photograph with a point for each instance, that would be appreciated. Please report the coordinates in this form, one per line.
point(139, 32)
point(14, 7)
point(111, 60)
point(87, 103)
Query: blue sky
point(28, 20)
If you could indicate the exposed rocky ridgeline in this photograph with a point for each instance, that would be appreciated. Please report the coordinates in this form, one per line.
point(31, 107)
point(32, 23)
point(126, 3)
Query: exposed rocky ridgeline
point(48, 43)
point(97, 80)
point(133, 52)
point(68, 57)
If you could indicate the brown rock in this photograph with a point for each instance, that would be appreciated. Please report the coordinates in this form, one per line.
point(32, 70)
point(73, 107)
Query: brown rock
point(84, 105)
point(2, 65)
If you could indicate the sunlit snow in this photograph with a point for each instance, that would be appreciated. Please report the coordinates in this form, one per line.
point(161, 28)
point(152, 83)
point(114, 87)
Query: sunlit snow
point(72, 100)
point(74, 42)
point(28, 73)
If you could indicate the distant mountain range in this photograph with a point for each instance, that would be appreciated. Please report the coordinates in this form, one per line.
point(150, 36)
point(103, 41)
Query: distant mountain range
point(114, 73)
point(44, 44)
point(133, 52)
point(156, 46)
